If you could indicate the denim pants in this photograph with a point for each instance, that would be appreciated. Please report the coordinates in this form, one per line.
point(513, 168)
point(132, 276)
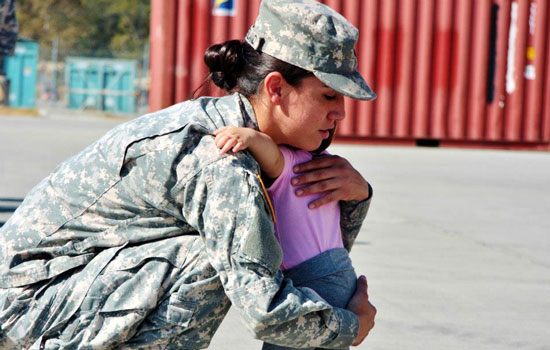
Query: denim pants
point(330, 274)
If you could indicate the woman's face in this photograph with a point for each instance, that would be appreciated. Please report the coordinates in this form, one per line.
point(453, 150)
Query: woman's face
point(311, 110)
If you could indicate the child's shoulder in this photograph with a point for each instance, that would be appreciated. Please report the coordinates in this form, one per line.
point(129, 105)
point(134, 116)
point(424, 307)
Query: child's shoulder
point(295, 154)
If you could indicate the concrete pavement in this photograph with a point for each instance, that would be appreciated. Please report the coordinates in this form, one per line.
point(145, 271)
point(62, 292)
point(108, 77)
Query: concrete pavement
point(455, 247)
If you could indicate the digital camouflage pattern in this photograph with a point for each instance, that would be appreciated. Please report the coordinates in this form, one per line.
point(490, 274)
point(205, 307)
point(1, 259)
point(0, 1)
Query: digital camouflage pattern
point(314, 37)
point(8, 27)
point(144, 240)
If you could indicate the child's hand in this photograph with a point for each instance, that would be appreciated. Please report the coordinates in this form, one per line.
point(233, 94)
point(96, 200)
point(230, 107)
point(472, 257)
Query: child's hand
point(232, 138)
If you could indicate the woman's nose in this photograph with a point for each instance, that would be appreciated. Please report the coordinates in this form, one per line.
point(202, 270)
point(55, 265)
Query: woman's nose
point(339, 111)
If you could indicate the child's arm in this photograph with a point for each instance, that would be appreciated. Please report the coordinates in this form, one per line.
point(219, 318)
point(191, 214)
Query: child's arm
point(263, 148)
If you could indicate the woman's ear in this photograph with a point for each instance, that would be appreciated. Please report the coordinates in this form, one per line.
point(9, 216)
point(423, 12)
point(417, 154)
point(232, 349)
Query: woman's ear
point(273, 85)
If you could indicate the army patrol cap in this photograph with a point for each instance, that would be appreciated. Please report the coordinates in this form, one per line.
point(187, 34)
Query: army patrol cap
point(314, 37)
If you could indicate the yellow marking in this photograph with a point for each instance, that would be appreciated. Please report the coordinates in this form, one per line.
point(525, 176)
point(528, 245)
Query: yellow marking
point(268, 200)
point(219, 2)
point(531, 53)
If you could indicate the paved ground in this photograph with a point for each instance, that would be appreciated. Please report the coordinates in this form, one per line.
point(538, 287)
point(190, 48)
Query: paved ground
point(455, 248)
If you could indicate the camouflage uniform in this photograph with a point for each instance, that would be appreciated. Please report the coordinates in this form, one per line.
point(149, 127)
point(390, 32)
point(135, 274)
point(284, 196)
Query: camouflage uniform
point(144, 240)
point(8, 27)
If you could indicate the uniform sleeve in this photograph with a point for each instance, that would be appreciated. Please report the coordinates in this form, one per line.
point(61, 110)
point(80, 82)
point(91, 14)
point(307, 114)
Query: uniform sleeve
point(226, 204)
point(352, 215)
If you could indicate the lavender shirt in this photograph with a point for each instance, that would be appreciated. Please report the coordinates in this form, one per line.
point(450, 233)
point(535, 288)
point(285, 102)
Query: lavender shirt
point(302, 233)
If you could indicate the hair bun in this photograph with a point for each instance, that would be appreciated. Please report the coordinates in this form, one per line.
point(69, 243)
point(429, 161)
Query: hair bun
point(225, 62)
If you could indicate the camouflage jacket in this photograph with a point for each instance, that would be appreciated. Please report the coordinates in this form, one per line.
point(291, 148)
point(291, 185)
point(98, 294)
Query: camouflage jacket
point(151, 221)
point(8, 27)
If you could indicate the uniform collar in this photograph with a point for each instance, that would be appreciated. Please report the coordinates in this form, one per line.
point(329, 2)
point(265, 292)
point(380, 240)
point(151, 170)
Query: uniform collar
point(249, 118)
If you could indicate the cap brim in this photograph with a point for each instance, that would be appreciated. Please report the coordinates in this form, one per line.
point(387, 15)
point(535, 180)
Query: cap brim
point(352, 84)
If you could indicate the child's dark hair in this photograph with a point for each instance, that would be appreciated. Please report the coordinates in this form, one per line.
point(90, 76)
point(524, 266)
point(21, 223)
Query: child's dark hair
point(235, 66)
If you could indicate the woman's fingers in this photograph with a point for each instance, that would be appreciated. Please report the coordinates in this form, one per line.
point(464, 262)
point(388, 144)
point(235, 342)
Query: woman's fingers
point(316, 175)
point(320, 162)
point(361, 306)
point(319, 169)
point(331, 176)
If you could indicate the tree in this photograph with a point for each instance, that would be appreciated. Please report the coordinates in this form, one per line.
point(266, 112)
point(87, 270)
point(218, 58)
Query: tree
point(103, 28)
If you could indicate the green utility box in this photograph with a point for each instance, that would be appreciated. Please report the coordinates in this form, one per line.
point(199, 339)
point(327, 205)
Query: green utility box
point(21, 71)
point(102, 84)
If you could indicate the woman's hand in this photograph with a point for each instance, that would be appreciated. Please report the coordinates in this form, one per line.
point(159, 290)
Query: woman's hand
point(360, 305)
point(332, 175)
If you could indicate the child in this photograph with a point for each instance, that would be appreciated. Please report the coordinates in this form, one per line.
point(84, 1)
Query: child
point(311, 240)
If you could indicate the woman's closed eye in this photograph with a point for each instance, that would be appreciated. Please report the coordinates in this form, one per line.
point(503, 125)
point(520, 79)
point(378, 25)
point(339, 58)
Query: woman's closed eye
point(330, 97)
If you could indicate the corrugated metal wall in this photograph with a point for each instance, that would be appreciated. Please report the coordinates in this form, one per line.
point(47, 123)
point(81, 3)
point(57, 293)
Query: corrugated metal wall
point(470, 72)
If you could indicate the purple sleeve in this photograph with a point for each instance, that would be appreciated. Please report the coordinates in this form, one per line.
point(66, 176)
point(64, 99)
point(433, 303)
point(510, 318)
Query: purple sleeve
point(286, 174)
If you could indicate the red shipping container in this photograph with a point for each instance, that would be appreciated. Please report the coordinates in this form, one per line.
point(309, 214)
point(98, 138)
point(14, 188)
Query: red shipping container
point(449, 72)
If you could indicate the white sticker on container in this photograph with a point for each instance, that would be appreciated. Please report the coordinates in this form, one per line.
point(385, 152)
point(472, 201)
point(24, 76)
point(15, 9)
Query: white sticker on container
point(530, 73)
point(510, 81)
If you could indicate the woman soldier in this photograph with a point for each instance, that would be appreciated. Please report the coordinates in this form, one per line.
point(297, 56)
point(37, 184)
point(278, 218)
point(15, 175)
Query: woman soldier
point(144, 239)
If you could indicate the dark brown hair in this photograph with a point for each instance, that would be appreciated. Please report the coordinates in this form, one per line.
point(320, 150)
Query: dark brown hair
point(235, 66)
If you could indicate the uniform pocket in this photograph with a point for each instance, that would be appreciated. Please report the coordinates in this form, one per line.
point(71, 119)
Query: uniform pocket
point(136, 289)
point(169, 319)
point(129, 297)
point(180, 312)
point(139, 277)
